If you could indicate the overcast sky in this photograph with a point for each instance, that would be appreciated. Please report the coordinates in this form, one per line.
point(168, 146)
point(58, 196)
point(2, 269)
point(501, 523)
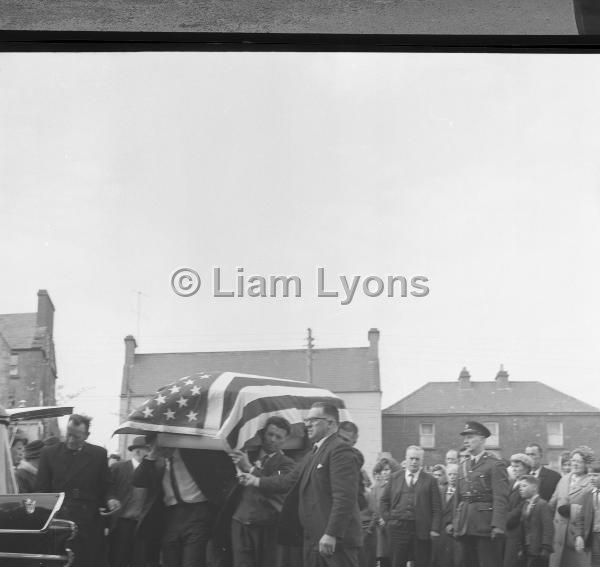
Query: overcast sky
point(479, 172)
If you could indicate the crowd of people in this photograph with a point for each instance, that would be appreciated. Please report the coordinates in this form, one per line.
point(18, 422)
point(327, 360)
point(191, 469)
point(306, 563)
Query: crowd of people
point(176, 507)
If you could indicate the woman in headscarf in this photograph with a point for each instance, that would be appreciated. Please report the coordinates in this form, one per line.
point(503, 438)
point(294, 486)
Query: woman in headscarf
point(520, 465)
point(571, 524)
point(384, 467)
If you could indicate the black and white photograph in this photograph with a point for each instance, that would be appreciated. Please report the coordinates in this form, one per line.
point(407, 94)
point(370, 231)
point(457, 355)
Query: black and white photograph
point(300, 309)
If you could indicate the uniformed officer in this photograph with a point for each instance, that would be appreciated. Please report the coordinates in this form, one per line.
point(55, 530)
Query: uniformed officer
point(481, 501)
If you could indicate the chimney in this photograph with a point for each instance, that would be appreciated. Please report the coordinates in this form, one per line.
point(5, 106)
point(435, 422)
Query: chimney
point(502, 379)
point(45, 311)
point(130, 346)
point(374, 343)
point(464, 379)
point(374, 378)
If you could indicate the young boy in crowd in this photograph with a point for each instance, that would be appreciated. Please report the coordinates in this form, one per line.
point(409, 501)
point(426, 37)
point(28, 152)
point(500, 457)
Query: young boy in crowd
point(537, 525)
point(594, 472)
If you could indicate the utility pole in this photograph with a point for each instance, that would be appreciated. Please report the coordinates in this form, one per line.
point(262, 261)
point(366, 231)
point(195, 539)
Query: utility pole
point(310, 343)
point(138, 311)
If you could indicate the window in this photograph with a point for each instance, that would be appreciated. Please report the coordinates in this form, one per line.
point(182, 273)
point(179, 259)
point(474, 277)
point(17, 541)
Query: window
point(427, 435)
point(14, 366)
point(494, 439)
point(555, 433)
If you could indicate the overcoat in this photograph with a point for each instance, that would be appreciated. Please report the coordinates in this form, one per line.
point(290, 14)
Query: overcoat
point(481, 497)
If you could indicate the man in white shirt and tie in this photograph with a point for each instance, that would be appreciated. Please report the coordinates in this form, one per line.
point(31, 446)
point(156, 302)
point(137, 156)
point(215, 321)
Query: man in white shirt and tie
point(411, 508)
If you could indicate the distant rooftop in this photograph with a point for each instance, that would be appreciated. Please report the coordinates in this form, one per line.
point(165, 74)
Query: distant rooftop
point(21, 330)
point(499, 396)
point(337, 369)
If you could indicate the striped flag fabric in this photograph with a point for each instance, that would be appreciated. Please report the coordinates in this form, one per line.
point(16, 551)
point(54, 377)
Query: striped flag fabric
point(228, 408)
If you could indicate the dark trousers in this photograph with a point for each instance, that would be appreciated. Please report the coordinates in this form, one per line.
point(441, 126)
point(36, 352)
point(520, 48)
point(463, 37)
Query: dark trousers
point(406, 547)
point(446, 552)
point(536, 561)
point(187, 531)
point(342, 557)
point(481, 551)
point(367, 555)
point(88, 542)
point(254, 545)
point(126, 548)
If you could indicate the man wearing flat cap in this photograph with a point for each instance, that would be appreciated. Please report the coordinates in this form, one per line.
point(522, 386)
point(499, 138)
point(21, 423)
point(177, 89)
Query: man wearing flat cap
point(127, 547)
point(482, 491)
point(26, 472)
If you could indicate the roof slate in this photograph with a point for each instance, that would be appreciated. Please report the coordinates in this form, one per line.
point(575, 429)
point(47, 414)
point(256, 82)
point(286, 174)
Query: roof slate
point(337, 369)
point(21, 330)
point(437, 398)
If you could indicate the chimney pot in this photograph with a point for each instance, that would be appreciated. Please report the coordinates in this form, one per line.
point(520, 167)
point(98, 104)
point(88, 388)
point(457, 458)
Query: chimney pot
point(464, 379)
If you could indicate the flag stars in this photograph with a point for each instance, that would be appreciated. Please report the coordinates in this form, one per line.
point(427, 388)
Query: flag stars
point(170, 414)
point(182, 402)
point(189, 382)
point(174, 389)
point(192, 416)
point(160, 399)
point(196, 390)
point(147, 412)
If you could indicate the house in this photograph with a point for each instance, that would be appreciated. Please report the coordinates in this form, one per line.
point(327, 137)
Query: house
point(352, 373)
point(516, 413)
point(27, 361)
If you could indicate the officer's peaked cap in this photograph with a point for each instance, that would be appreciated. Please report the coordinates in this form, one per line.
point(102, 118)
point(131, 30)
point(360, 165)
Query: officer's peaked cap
point(475, 428)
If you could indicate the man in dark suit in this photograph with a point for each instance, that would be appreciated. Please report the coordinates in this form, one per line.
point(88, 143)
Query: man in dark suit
point(481, 501)
point(411, 508)
point(126, 546)
point(186, 487)
point(249, 515)
point(80, 470)
point(320, 513)
point(547, 477)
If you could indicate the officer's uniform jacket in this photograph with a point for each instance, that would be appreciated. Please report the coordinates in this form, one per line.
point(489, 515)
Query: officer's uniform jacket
point(481, 498)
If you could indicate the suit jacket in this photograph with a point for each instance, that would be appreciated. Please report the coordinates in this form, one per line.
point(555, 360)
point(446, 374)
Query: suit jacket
point(323, 497)
point(548, 480)
point(428, 506)
point(269, 504)
point(212, 471)
point(538, 528)
point(481, 497)
point(84, 478)
point(26, 479)
point(447, 508)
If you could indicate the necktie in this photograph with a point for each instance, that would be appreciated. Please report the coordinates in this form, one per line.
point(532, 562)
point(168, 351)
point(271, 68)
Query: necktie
point(411, 480)
point(174, 481)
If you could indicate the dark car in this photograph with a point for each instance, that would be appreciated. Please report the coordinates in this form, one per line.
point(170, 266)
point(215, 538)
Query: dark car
point(30, 535)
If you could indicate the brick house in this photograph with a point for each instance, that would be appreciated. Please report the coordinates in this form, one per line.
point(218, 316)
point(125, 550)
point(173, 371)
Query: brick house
point(516, 413)
point(352, 373)
point(27, 361)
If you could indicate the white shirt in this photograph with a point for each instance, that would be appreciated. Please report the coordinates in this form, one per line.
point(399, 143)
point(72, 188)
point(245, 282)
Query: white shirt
point(188, 490)
point(319, 443)
point(410, 476)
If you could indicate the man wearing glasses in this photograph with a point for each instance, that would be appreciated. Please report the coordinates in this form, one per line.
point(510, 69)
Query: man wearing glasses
point(321, 513)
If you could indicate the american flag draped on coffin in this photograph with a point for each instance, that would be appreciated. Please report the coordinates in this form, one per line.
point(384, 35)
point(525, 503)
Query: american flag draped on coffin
point(225, 410)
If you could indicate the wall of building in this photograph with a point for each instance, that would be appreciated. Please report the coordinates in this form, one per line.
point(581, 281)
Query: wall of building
point(4, 372)
point(365, 409)
point(515, 432)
